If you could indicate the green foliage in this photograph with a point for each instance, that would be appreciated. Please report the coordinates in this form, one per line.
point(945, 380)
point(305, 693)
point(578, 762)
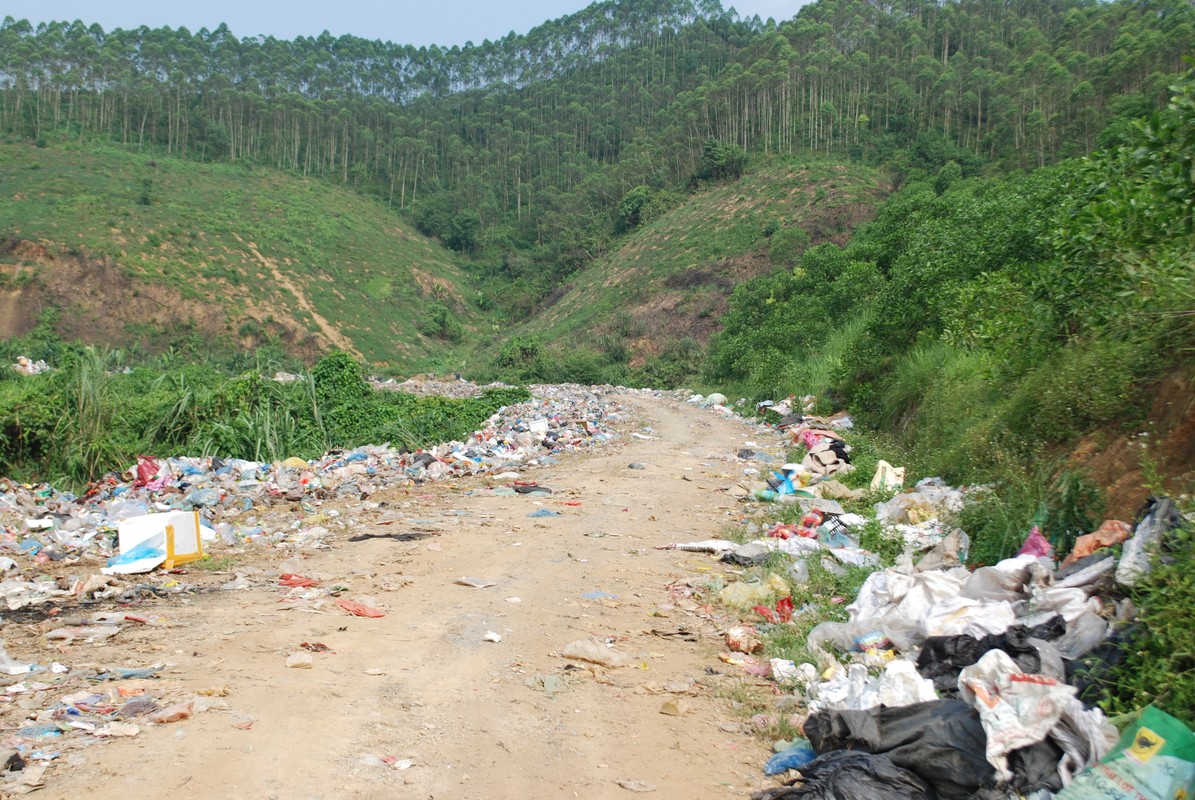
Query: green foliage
point(1074, 506)
point(721, 161)
point(442, 324)
point(641, 205)
point(437, 217)
point(786, 245)
point(998, 516)
point(236, 242)
point(1078, 388)
point(1159, 666)
point(84, 419)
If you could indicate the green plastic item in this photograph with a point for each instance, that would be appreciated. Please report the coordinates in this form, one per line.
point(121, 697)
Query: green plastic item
point(1154, 760)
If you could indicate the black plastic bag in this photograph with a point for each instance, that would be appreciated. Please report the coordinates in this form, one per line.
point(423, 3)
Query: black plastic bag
point(942, 741)
point(846, 775)
point(943, 657)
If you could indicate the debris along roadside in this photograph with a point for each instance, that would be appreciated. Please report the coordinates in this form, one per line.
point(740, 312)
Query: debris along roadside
point(915, 676)
point(42, 525)
point(66, 682)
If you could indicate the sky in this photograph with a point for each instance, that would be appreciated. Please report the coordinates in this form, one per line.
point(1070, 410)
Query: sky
point(422, 22)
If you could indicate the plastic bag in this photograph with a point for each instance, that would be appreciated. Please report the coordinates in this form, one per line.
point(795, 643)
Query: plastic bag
point(748, 595)
point(845, 775)
point(949, 553)
point(796, 756)
point(1036, 545)
point(10, 666)
point(941, 741)
point(595, 653)
point(887, 477)
point(1015, 712)
point(1111, 532)
point(1154, 759)
point(147, 470)
point(1161, 516)
point(961, 615)
point(1019, 710)
point(1083, 635)
point(901, 685)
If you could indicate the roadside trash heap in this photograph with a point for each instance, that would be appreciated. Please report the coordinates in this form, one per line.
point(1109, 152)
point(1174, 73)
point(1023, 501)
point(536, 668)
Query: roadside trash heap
point(27, 366)
point(41, 524)
point(954, 683)
point(945, 682)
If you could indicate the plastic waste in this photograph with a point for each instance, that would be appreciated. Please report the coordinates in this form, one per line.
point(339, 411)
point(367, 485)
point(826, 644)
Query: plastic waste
point(595, 653)
point(847, 775)
point(1019, 710)
point(142, 558)
point(174, 713)
point(299, 661)
point(136, 707)
point(942, 742)
point(10, 666)
point(796, 756)
point(88, 633)
point(1110, 532)
point(1154, 758)
point(1161, 516)
point(358, 609)
point(887, 477)
point(746, 595)
point(1036, 545)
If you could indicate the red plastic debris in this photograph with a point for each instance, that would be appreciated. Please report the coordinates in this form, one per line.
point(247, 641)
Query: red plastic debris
point(359, 609)
point(147, 470)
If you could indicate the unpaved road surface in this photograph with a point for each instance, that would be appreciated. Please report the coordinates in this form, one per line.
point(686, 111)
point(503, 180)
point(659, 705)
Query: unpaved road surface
point(422, 686)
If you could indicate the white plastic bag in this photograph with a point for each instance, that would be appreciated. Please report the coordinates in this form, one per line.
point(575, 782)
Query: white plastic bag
point(1016, 710)
point(901, 685)
point(961, 615)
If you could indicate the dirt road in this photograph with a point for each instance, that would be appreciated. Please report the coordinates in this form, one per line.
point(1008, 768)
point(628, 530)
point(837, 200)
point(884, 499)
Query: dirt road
point(422, 686)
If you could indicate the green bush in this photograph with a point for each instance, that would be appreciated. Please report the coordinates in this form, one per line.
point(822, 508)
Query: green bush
point(1159, 666)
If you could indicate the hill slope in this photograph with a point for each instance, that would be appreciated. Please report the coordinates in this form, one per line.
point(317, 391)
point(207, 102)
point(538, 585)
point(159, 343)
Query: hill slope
point(144, 250)
point(668, 284)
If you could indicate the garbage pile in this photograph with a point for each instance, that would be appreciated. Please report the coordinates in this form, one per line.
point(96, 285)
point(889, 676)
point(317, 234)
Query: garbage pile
point(27, 366)
point(955, 683)
point(431, 386)
point(945, 682)
point(40, 524)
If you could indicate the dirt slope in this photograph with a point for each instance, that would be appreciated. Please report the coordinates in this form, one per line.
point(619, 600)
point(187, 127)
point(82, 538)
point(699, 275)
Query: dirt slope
point(423, 684)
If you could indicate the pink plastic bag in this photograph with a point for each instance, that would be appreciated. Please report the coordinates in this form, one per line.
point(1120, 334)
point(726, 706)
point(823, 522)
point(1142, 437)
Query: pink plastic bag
point(1036, 545)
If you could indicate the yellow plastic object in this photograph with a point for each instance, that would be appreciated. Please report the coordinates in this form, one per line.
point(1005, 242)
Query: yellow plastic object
point(746, 595)
point(174, 558)
point(778, 585)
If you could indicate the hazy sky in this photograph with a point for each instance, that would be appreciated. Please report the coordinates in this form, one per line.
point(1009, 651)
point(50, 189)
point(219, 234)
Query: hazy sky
point(445, 22)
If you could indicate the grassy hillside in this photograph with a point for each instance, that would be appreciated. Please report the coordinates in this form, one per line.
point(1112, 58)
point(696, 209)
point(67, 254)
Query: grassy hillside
point(652, 304)
point(141, 249)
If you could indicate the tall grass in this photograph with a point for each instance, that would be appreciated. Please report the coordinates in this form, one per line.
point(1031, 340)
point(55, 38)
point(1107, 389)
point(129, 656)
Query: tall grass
point(84, 436)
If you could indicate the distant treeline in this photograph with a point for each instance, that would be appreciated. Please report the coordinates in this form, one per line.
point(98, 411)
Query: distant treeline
point(532, 135)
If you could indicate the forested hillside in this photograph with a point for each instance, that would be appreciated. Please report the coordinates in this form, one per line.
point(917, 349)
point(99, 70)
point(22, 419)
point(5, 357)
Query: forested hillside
point(527, 144)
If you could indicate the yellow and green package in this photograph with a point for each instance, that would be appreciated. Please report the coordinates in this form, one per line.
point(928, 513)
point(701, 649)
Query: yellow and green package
point(1154, 760)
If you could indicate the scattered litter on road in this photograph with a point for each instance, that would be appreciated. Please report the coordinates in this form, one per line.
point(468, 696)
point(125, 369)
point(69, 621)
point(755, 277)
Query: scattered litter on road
point(475, 583)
